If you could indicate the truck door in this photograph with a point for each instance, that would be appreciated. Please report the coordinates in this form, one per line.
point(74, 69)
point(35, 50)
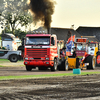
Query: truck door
point(53, 50)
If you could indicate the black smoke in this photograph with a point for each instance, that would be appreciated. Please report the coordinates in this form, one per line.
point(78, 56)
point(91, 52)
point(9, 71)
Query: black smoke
point(43, 10)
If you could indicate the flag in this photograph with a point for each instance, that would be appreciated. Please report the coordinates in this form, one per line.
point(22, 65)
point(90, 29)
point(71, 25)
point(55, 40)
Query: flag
point(72, 38)
point(69, 45)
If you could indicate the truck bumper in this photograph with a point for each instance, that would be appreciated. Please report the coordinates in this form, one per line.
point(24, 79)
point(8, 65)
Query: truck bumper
point(39, 63)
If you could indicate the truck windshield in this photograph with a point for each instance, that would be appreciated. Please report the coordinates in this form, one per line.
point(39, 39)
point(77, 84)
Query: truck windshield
point(92, 45)
point(37, 41)
point(81, 47)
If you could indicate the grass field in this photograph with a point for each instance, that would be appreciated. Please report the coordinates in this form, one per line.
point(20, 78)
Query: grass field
point(4, 60)
point(45, 75)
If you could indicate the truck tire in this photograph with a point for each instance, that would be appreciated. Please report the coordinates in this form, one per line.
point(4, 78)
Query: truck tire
point(60, 65)
point(28, 68)
point(54, 68)
point(91, 61)
point(13, 58)
point(65, 65)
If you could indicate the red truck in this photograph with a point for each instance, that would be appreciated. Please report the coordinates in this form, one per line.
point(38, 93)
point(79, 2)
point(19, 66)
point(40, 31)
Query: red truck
point(43, 51)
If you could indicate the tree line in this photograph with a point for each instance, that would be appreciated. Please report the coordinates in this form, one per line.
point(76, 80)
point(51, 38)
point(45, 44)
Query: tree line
point(15, 14)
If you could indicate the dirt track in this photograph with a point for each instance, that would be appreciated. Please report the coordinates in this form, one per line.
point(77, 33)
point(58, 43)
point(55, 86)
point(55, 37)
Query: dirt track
point(57, 88)
point(21, 70)
point(61, 88)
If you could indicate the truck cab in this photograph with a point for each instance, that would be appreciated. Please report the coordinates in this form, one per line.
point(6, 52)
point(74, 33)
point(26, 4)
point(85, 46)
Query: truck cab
point(40, 51)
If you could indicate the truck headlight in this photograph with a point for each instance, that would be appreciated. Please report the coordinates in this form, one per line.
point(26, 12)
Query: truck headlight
point(26, 58)
point(47, 58)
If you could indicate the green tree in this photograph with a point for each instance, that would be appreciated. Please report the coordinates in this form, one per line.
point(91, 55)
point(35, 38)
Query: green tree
point(15, 13)
point(7, 29)
point(19, 33)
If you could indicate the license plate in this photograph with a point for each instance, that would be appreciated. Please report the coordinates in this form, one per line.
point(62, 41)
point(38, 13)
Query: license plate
point(36, 46)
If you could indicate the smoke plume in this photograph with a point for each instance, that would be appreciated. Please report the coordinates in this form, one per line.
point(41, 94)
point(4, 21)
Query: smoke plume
point(43, 10)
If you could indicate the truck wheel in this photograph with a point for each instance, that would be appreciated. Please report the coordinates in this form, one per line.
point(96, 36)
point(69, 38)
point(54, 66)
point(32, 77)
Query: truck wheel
point(54, 68)
point(92, 62)
point(59, 67)
point(13, 58)
point(65, 65)
point(28, 68)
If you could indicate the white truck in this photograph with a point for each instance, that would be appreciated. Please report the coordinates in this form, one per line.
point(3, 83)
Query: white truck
point(10, 41)
point(8, 48)
point(13, 56)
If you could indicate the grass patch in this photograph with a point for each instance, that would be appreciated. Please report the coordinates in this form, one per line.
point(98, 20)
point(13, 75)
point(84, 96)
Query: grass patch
point(45, 75)
point(2, 66)
point(4, 60)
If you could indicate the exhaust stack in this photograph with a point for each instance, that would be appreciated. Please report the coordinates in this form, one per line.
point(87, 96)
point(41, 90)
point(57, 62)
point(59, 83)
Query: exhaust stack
point(48, 30)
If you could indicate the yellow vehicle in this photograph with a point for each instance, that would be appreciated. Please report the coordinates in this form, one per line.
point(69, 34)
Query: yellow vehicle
point(83, 59)
point(73, 62)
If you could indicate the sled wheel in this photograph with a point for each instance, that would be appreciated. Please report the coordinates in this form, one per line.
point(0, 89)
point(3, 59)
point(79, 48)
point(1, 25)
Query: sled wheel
point(54, 68)
point(91, 60)
point(28, 68)
point(93, 63)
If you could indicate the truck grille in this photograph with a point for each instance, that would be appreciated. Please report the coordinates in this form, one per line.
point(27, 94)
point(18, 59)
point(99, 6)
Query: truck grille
point(36, 53)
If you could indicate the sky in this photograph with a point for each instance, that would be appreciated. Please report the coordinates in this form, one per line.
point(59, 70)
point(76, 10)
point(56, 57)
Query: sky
point(77, 13)
point(74, 12)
